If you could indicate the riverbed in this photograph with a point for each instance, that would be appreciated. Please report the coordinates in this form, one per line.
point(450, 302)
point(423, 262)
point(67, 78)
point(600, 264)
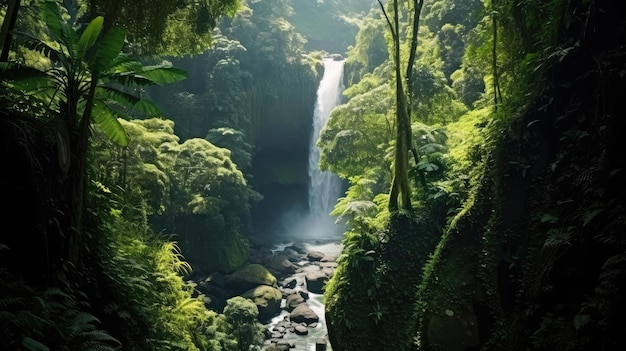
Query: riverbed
point(315, 302)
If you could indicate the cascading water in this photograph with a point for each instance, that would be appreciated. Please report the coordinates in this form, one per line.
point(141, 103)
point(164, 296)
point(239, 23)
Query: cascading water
point(324, 187)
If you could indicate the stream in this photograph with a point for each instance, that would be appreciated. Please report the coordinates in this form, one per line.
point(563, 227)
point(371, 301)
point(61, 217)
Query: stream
point(331, 248)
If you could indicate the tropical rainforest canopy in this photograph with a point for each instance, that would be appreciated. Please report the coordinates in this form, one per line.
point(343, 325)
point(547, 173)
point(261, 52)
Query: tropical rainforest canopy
point(145, 143)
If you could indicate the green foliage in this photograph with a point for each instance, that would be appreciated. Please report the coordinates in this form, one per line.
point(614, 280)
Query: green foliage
point(234, 141)
point(154, 307)
point(468, 84)
point(52, 318)
point(328, 25)
point(356, 134)
point(166, 184)
point(173, 28)
point(370, 49)
point(378, 272)
point(346, 293)
point(434, 100)
point(84, 65)
point(242, 317)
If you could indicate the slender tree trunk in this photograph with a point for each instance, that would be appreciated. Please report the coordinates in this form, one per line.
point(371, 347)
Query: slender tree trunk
point(417, 11)
point(79, 177)
point(497, 97)
point(400, 193)
point(7, 27)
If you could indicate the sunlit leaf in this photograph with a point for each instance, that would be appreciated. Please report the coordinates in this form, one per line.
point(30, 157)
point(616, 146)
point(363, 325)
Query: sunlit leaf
point(89, 36)
point(107, 121)
point(164, 75)
point(109, 48)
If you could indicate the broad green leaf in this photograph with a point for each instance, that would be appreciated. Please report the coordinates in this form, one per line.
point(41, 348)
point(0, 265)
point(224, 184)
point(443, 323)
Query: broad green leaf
point(33, 345)
point(109, 50)
point(90, 35)
point(124, 98)
point(28, 81)
point(164, 75)
point(107, 121)
point(148, 107)
point(52, 15)
point(130, 79)
point(431, 148)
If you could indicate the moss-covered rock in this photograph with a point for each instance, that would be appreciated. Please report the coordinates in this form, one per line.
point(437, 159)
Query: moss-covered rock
point(267, 299)
point(249, 277)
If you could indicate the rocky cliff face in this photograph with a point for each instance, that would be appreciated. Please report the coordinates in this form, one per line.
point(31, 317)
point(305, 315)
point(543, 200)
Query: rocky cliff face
point(282, 135)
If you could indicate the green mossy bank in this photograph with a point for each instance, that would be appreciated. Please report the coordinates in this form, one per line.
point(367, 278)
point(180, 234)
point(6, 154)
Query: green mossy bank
point(533, 258)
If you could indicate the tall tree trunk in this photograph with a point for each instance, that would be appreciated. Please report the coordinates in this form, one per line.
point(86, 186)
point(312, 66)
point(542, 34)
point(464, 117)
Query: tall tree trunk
point(7, 27)
point(497, 95)
point(400, 193)
point(79, 177)
point(417, 11)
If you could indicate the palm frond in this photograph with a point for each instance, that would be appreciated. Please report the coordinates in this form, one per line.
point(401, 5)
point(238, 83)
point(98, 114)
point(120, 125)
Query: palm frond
point(36, 44)
point(52, 16)
point(160, 75)
point(108, 54)
point(127, 99)
point(107, 121)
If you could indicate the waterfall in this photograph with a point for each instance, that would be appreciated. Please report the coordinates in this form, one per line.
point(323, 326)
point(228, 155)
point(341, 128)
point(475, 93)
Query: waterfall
point(324, 187)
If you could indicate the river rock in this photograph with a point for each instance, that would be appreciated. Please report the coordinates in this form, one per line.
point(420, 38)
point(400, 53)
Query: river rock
point(282, 346)
point(315, 281)
point(328, 264)
point(292, 255)
point(293, 300)
point(289, 283)
point(298, 247)
point(259, 255)
point(303, 314)
point(281, 265)
point(300, 329)
point(315, 256)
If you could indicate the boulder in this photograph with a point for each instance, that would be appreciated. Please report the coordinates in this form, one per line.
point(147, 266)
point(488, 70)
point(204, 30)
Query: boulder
point(315, 256)
point(249, 277)
point(281, 265)
point(300, 329)
point(292, 255)
point(293, 300)
point(267, 299)
point(315, 281)
point(299, 248)
point(303, 314)
point(289, 283)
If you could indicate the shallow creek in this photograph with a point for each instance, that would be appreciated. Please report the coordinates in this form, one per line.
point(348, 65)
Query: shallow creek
point(315, 302)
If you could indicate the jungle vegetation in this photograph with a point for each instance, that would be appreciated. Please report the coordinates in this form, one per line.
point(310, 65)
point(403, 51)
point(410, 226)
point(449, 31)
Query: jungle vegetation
point(480, 142)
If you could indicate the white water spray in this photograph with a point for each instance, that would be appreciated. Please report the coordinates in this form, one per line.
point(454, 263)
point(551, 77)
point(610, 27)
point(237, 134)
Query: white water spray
point(324, 187)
